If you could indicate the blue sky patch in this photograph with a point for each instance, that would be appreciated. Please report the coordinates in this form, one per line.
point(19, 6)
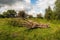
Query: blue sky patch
point(33, 1)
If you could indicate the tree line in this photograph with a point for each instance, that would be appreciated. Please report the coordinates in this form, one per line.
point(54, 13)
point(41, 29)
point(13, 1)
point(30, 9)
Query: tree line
point(55, 14)
point(49, 14)
point(14, 14)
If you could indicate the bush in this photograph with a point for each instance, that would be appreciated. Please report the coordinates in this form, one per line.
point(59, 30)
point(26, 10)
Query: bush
point(1, 16)
point(39, 16)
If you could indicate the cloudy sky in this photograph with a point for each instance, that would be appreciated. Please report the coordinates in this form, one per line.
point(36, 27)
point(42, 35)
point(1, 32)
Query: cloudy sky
point(30, 6)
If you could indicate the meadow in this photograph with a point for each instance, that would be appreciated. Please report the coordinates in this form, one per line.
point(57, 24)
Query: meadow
point(9, 32)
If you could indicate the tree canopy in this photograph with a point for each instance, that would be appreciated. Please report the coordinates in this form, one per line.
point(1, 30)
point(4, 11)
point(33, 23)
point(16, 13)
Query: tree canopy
point(48, 14)
point(9, 13)
point(57, 9)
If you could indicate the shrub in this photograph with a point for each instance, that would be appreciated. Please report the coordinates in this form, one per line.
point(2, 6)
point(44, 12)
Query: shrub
point(1, 16)
point(39, 16)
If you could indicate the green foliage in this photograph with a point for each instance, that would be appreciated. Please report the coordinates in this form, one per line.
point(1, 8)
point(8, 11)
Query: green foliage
point(22, 14)
point(39, 16)
point(15, 22)
point(57, 9)
point(9, 14)
point(48, 14)
point(1, 16)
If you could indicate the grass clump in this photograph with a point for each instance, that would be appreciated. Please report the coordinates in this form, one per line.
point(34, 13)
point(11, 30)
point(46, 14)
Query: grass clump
point(15, 22)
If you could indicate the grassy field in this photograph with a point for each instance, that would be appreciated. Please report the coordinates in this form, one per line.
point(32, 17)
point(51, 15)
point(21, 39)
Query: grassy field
point(8, 32)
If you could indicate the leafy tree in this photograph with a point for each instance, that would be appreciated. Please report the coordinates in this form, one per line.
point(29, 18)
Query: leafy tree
point(9, 13)
point(22, 14)
point(57, 9)
point(48, 14)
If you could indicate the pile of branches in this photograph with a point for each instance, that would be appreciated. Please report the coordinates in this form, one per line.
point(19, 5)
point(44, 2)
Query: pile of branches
point(31, 24)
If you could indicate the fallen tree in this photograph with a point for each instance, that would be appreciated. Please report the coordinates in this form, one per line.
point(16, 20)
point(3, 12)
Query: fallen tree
point(31, 24)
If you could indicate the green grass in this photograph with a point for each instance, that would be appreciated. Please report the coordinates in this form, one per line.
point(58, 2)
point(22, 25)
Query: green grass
point(8, 32)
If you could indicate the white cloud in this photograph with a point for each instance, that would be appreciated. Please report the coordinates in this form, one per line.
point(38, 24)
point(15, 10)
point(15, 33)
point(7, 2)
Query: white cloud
point(41, 5)
point(26, 5)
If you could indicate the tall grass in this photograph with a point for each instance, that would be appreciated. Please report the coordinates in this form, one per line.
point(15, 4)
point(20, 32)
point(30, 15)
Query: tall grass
point(10, 32)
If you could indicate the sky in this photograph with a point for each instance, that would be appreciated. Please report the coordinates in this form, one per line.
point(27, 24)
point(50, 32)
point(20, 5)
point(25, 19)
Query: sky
point(31, 7)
